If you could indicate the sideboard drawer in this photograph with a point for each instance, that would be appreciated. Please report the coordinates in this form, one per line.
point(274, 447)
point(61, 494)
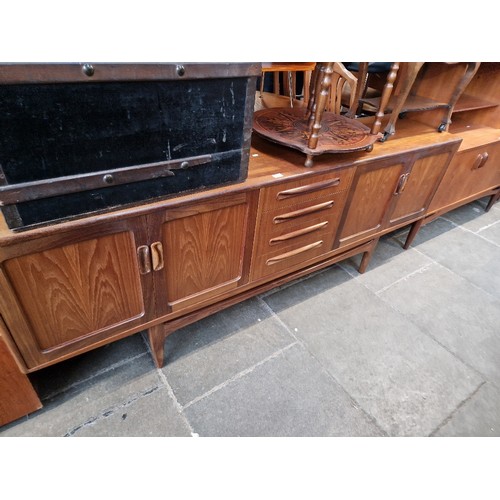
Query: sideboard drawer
point(292, 235)
point(305, 189)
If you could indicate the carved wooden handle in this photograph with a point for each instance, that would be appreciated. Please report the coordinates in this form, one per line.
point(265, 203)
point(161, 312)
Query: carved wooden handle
point(144, 258)
point(310, 188)
point(287, 255)
point(480, 160)
point(305, 211)
point(296, 234)
point(157, 255)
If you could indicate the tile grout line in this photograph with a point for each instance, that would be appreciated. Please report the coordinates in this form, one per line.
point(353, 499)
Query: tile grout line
point(455, 355)
point(476, 233)
point(477, 287)
point(269, 309)
point(421, 270)
point(295, 281)
point(488, 226)
point(460, 405)
point(355, 403)
point(114, 366)
point(112, 410)
point(238, 376)
point(170, 391)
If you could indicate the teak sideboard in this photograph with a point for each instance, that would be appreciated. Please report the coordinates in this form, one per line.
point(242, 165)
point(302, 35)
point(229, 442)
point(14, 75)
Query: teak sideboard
point(78, 284)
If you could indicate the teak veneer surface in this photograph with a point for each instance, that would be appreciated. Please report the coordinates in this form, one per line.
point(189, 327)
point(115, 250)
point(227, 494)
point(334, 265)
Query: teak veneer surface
point(17, 396)
point(268, 164)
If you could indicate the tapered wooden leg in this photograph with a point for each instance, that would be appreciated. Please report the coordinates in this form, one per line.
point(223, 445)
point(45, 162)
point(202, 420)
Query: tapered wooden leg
point(367, 257)
point(415, 227)
point(157, 336)
point(493, 199)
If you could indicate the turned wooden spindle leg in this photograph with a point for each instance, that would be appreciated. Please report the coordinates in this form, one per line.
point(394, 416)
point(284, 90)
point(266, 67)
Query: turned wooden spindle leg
point(312, 90)
point(356, 106)
point(384, 98)
point(322, 92)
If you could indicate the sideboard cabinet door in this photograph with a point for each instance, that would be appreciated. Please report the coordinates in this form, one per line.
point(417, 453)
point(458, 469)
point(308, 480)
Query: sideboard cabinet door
point(198, 251)
point(420, 184)
point(470, 173)
point(392, 193)
point(62, 294)
point(372, 195)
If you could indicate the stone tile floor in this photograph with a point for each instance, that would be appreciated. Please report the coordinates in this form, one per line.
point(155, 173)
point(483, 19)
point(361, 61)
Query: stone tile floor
point(410, 348)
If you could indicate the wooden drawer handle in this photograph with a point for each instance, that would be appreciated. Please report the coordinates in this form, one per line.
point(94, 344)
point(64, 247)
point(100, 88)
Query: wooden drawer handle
point(144, 258)
point(403, 179)
point(310, 188)
point(480, 160)
point(157, 255)
point(287, 255)
point(305, 211)
point(296, 234)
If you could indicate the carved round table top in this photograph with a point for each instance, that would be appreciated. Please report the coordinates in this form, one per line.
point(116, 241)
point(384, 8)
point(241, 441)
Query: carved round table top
point(289, 126)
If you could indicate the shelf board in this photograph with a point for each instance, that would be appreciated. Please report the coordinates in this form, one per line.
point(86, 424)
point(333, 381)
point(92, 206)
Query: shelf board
point(412, 103)
point(473, 135)
point(472, 103)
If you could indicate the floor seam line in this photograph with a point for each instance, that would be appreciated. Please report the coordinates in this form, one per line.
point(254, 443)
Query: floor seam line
point(475, 233)
point(427, 334)
point(112, 410)
point(404, 278)
point(170, 392)
point(460, 405)
point(237, 376)
point(355, 403)
point(114, 366)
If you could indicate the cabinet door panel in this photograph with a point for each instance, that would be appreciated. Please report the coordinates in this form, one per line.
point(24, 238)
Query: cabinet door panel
point(63, 298)
point(469, 173)
point(420, 186)
point(373, 191)
point(203, 253)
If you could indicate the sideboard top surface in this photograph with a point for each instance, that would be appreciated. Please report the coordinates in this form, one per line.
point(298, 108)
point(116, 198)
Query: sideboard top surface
point(269, 164)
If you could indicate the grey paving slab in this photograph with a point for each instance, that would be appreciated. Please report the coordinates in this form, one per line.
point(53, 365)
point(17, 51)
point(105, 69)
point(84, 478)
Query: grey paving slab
point(479, 416)
point(209, 352)
point(154, 414)
point(463, 252)
point(68, 411)
point(58, 378)
point(473, 217)
point(405, 380)
point(491, 233)
point(463, 318)
point(288, 395)
point(389, 263)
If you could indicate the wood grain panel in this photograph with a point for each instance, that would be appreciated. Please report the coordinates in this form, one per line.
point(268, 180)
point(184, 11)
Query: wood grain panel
point(79, 289)
point(203, 252)
point(309, 188)
point(372, 194)
point(462, 180)
point(17, 396)
point(422, 182)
